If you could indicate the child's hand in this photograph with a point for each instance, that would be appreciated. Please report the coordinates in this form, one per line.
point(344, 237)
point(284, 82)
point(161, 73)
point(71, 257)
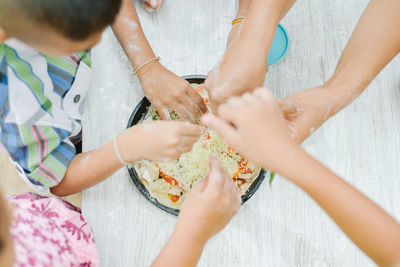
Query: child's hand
point(254, 126)
point(158, 140)
point(166, 90)
point(210, 204)
point(208, 208)
point(152, 5)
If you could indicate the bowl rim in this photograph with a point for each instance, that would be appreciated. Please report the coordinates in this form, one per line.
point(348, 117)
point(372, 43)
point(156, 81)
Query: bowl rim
point(140, 109)
point(281, 28)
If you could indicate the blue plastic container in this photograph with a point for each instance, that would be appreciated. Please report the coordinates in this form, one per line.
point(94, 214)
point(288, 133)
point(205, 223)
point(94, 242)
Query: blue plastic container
point(279, 46)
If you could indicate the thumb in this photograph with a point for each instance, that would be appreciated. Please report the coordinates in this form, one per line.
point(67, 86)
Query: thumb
point(289, 107)
point(214, 164)
point(216, 172)
point(223, 128)
point(201, 186)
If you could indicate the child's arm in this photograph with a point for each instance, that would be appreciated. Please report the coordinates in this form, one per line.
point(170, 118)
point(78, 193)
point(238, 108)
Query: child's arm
point(159, 140)
point(373, 44)
point(370, 228)
point(244, 63)
point(207, 209)
point(163, 88)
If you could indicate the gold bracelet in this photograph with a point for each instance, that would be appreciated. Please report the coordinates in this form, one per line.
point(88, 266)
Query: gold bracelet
point(237, 20)
point(150, 61)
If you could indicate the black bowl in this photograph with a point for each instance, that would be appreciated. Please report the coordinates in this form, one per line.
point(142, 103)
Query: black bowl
point(137, 115)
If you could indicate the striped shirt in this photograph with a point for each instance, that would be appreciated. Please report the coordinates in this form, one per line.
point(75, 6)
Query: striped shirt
point(41, 105)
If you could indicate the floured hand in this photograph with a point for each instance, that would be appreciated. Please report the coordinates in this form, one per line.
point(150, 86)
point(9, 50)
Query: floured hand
point(166, 90)
point(307, 110)
point(241, 70)
point(158, 140)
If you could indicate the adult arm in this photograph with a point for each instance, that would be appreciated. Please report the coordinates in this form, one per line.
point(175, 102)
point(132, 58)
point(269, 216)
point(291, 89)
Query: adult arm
point(163, 88)
point(373, 44)
point(244, 63)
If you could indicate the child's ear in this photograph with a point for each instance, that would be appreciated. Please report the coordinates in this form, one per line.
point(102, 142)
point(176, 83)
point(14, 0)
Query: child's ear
point(3, 35)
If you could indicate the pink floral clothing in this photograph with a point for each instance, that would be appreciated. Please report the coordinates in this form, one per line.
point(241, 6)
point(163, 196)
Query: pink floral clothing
point(48, 231)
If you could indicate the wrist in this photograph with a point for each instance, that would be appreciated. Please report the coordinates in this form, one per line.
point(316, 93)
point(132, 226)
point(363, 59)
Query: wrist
point(340, 93)
point(129, 146)
point(293, 163)
point(153, 71)
point(246, 44)
point(305, 171)
point(189, 237)
point(239, 52)
point(338, 84)
point(287, 158)
point(191, 231)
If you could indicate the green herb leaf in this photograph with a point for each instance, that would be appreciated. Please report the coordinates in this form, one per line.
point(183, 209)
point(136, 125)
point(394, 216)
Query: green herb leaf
point(271, 178)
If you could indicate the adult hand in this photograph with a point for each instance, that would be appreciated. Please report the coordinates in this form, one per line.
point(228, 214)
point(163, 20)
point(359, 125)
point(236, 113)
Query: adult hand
point(307, 110)
point(241, 70)
point(210, 204)
point(166, 90)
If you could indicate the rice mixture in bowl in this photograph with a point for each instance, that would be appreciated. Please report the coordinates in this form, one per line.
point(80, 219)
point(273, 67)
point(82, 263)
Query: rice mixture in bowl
point(169, 182)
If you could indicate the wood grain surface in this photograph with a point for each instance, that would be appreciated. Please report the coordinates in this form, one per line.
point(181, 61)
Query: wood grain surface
point(279, 226)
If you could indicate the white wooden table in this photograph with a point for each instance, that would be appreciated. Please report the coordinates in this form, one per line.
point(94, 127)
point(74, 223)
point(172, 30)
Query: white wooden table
point(279, 226)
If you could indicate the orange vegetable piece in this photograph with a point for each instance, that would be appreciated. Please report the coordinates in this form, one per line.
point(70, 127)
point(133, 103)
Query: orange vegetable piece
point(198, 89)
point(166, 177)
point(174, 198)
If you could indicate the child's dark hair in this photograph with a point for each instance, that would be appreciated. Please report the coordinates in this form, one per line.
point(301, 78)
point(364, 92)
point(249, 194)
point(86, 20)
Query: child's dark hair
point(74, 19)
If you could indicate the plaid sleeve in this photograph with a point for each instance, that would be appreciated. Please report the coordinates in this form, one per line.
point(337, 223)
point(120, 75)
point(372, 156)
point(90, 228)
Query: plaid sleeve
point(43, 152)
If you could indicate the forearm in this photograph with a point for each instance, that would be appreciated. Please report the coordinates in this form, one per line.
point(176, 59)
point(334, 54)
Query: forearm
point(262, 18)
point(129, 32)
point(235, 30)
point(182, 249)
point(243, 6)
point(373, 44)
point(366, 224)
point(249, 41)
point(90, 168)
